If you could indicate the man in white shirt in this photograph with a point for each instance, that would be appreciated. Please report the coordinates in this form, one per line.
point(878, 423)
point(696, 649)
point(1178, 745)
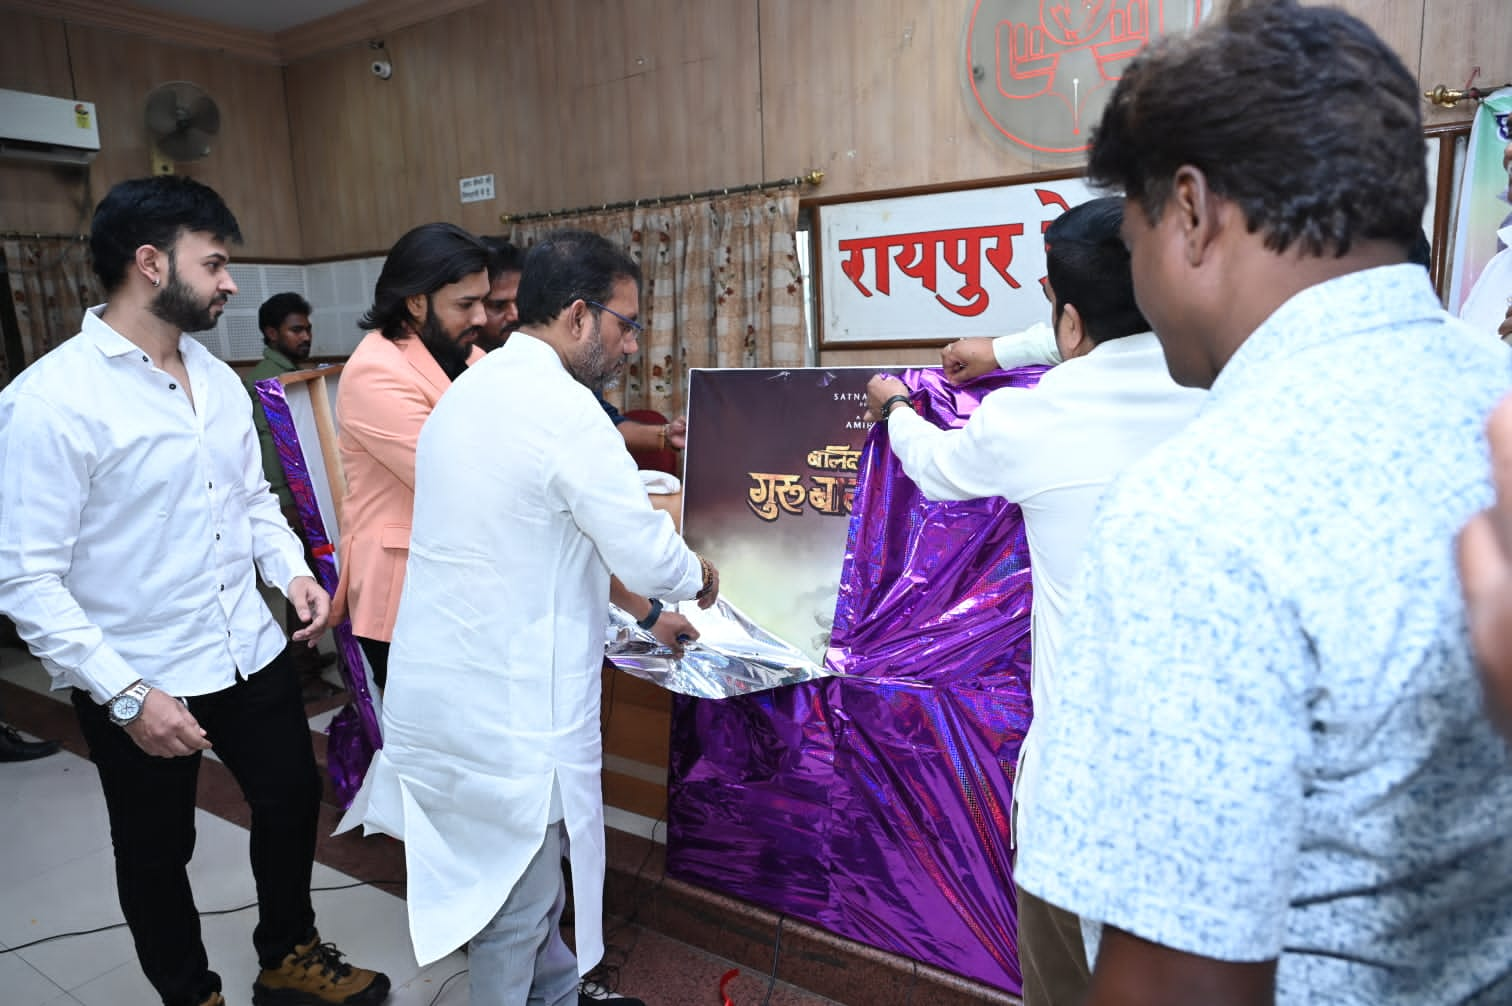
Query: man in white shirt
point(134, 516)
point(492, 747)
point(1053, 449)
point(1489, 306)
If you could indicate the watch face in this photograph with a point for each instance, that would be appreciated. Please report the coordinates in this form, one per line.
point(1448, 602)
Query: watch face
point(125, 708)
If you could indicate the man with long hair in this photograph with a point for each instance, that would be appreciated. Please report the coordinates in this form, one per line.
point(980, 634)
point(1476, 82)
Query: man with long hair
point(428, 308)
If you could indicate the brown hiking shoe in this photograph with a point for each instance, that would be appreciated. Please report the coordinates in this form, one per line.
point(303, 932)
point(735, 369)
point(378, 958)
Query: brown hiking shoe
point(313, 974)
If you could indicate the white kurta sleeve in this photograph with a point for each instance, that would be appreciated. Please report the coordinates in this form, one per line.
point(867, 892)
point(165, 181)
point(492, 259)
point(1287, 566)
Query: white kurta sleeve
point(1034, 345)
point(596, 481)
point(986, 457)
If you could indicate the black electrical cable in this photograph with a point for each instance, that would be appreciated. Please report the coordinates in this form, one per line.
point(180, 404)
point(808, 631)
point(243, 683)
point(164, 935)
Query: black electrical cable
point(218, 911)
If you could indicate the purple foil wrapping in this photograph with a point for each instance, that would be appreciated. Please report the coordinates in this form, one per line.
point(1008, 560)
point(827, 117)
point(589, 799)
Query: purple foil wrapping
point(354, 733)
point(877, 805)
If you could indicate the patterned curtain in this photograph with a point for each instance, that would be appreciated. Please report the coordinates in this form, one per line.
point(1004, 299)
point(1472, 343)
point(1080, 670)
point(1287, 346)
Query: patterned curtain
point(721, 287)
point(51, 286)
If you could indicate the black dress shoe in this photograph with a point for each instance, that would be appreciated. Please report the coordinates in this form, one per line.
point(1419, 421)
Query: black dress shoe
point(14, 747)
point(591, 993)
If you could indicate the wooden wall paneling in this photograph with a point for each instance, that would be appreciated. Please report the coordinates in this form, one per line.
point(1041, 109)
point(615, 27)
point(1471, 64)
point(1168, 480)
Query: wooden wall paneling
point(249, 160)
point(349, 155)
point(482, 138)
point(39, 197)
point(568, 104)
point(1457, 37)
point(36, 55)
point(695, 109)
point(867, 91)
point(536, 134)
point(428, 75)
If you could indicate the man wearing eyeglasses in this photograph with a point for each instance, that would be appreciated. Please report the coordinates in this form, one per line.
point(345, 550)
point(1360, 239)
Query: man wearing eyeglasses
point(639, 436)
point(492, 746)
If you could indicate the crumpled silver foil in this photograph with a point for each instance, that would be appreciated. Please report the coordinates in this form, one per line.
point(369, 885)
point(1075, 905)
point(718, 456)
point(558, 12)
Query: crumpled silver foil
point(732, 655)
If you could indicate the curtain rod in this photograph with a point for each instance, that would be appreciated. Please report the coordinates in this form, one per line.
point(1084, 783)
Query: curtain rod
point(37, 236)
point(812, 178)
point(1448, 97)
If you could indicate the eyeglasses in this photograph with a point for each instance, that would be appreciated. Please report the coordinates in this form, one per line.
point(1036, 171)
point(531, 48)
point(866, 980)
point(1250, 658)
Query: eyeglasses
point(629, 323)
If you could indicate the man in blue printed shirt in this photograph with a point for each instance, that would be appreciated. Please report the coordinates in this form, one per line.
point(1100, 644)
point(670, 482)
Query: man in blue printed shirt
point(1275, 778)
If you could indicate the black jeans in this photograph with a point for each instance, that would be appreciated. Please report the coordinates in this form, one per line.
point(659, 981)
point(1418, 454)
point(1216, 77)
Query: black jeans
point(258, 729)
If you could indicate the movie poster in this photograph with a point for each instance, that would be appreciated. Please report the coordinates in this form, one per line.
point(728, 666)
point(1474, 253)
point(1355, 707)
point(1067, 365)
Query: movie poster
point(771, 477)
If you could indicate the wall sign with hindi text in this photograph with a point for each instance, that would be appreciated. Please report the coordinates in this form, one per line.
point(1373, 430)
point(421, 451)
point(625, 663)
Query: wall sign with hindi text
point(939, 267)
point(1036, 74)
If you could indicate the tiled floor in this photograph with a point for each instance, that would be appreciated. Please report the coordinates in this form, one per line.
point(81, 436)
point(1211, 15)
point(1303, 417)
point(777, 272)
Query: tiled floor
point(57, 877)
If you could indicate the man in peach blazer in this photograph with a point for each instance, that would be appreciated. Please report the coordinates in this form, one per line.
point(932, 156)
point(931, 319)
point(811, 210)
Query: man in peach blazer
point(426, 313)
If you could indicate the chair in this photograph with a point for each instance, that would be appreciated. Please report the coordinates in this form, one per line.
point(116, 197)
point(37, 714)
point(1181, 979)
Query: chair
point(662, 460)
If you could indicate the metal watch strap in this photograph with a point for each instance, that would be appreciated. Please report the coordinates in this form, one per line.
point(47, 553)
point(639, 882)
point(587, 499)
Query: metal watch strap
point(137, 690)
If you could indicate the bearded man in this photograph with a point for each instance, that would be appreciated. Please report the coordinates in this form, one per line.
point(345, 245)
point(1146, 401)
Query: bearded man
point(492, 749)
point(134, 519)
point(428, 309)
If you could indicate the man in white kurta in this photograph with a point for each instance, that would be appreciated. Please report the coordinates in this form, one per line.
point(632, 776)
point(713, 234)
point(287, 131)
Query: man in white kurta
point(492, 744)
point(1053, 449)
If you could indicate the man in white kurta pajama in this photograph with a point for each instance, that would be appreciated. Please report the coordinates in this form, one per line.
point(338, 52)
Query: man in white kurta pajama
point(492, 746)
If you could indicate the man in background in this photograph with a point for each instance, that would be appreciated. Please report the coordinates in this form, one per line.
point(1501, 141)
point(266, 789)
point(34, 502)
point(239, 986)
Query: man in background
point(501, 313)
point(426, 315)
point(284, 319)
point(1274, 779)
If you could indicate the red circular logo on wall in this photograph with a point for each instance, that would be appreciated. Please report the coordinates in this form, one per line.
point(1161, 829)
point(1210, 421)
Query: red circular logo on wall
point(1037, 73)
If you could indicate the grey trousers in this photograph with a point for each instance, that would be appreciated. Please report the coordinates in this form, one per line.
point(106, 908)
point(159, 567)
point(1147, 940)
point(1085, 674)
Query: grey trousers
point(519, 958)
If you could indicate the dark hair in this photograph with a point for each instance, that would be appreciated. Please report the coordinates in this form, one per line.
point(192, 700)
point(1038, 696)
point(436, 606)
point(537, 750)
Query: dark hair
point(153, 211)
point(568, 266)
point(502, 257)
point(1088, 266)
point(423, 261)
point(1301, 116)
point(1421, 252)
point(278, 307)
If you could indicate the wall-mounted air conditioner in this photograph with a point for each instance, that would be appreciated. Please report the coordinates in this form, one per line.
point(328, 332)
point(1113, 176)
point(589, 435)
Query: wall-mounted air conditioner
point(35, 127)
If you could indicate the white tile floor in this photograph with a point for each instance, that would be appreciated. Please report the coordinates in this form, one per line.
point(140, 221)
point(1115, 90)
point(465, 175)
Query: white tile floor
point(57, 876)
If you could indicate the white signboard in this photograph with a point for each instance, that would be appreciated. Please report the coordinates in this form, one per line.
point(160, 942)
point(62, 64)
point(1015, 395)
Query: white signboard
point(939, 267)
point(477, 188)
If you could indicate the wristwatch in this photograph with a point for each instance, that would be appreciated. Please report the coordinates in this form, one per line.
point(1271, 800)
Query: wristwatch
point(127, 706)
point(652, 615)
